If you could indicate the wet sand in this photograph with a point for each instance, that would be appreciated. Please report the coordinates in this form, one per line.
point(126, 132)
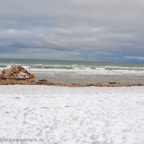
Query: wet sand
point(45, 82)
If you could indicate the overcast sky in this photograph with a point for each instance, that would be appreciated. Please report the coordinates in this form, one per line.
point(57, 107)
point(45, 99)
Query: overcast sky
point(94, 30)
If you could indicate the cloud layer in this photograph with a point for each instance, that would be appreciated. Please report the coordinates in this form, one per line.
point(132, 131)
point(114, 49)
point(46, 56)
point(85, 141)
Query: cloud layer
point(106, 30)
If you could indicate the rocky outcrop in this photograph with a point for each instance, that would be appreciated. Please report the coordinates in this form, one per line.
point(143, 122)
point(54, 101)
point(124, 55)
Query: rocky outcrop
point(16, 72)
point(113, 83)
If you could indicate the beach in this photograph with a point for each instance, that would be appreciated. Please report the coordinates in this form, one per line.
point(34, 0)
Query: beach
point(80, 72)
point(71, 72)
point(52, 102)
point(71, 115)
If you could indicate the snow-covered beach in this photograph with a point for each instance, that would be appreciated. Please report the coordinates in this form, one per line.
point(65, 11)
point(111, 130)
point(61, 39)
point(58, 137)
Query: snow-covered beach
point(63, 115)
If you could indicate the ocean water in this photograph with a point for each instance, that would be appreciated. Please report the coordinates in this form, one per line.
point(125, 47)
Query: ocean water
point(80, 72)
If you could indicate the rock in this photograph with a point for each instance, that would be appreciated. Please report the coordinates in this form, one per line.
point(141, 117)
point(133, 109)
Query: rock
point(43, 80)
point(16, 72)
point(113, 83)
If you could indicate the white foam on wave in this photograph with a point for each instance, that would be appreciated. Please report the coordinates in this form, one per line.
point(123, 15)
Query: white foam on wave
point(88, 71)
point(79, 69)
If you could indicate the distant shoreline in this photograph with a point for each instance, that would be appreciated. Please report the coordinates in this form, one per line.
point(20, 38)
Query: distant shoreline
point(79, 73)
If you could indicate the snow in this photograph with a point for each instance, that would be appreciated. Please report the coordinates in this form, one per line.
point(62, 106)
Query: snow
point(62, 115)
point(23, 74)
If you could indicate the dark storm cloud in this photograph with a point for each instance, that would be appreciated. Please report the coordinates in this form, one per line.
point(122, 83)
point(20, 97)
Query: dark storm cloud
point(106, 30)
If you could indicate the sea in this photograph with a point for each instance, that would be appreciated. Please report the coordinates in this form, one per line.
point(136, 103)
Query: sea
point(80, 72)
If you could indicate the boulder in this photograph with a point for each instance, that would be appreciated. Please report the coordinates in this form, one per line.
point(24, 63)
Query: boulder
point(16, 72)
point(113, 83)
point(43, 80)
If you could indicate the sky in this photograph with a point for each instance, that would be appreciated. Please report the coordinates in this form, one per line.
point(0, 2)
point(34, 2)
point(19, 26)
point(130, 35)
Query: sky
point(85, 30)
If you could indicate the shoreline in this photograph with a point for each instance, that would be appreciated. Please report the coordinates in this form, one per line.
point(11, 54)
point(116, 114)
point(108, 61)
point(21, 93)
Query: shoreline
point(45, 82)
point(17, 75)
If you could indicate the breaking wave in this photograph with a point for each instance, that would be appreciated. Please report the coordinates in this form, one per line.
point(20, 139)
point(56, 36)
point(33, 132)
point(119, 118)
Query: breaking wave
point(79, 68)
